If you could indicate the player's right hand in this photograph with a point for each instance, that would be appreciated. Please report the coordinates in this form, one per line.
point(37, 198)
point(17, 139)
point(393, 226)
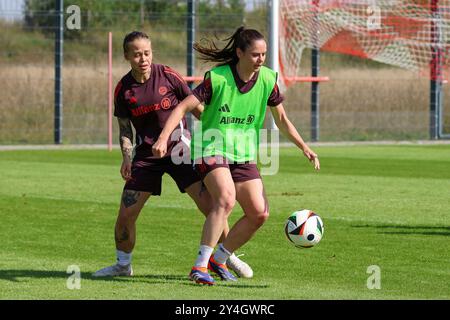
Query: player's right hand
point(313, 157)
point(125, 170)
point(159, 149)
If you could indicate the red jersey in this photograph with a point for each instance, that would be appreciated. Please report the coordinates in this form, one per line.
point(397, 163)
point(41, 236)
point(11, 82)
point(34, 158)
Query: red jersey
point(148, 105)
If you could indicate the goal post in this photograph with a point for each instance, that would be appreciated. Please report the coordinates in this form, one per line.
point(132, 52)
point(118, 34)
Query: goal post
point(410, 34)
point(276, 48)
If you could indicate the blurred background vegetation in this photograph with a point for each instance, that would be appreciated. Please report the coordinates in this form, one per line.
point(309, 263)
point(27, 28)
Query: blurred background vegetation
point(364, 100)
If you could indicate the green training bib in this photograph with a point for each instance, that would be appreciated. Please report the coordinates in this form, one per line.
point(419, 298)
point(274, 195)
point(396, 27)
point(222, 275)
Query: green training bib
point(229, 126)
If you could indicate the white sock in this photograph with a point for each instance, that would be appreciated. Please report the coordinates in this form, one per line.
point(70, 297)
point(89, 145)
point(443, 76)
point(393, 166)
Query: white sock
point(222, 255)
point(123, 258)
point(231, 255)
point(204, 253)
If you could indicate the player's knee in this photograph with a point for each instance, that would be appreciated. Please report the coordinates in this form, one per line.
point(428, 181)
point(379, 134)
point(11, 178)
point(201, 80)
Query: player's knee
point(226, 202)
point(258, 217)
point(261, 217)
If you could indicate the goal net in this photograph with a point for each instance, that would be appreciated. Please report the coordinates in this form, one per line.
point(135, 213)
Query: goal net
point(411, 34)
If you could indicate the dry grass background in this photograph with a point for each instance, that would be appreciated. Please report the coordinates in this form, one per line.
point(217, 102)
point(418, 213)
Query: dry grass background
point(365, 104)
point(357, 104)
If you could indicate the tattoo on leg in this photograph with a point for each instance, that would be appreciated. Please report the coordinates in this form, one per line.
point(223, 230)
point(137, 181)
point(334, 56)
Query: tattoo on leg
point(124, 236)
point(202, 188)
point(130, 197)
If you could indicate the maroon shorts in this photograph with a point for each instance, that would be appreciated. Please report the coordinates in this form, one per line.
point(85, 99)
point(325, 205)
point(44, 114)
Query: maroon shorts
point(240, 172)
point(147, 175)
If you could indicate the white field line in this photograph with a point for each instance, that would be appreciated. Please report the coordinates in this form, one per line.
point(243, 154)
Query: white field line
point(149, 203)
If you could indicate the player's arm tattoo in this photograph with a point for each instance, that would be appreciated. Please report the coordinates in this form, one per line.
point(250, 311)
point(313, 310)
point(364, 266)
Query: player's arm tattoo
point(126, 137)
point(129, 197)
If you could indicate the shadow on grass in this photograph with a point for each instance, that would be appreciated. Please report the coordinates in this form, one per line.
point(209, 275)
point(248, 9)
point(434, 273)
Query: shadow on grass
point(407, 230)
point(16, 275)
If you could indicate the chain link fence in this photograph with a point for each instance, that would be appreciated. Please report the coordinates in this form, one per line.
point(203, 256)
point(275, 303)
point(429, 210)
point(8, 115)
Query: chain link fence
point(363, 101)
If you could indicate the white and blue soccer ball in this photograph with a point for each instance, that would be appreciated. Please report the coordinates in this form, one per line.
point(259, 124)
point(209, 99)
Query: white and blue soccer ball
point(304, 228)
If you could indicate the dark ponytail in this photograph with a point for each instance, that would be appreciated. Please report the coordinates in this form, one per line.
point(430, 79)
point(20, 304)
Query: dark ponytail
point(242, 38)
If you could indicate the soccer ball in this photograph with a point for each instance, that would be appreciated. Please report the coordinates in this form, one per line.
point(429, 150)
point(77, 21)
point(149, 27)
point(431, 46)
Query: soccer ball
point(304, 228)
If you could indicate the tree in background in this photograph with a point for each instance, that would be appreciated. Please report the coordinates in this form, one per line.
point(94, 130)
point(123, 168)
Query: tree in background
point(221, 15)
point(164, 20)
point(214, 14)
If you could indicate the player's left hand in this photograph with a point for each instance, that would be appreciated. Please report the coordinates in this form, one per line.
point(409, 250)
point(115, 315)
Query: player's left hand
point(313, 157)
point(159, 149)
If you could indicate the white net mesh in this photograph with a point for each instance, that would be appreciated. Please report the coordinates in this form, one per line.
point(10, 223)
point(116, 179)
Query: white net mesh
point(412, 34)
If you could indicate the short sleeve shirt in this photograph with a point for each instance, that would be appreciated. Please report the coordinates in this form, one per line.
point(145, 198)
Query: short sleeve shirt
point(148, 105)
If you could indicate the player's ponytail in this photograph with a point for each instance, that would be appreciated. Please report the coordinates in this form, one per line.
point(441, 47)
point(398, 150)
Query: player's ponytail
point(242, 38)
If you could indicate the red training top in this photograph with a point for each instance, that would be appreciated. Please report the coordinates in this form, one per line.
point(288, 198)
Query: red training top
point(148, 105)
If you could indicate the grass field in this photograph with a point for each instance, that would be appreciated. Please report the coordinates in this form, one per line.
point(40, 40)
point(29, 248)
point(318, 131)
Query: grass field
point(386, 206)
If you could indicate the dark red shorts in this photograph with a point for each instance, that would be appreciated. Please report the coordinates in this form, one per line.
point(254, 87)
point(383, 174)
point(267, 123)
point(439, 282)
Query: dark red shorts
point(147, 175)
point(240, 172)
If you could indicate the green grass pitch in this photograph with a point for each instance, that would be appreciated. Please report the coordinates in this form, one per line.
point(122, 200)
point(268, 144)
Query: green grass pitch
point(384, 206)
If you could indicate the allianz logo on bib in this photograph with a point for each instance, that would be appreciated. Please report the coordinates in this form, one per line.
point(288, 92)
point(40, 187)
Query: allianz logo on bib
point(237, 120)
point(230, 120)
point(234, 120)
